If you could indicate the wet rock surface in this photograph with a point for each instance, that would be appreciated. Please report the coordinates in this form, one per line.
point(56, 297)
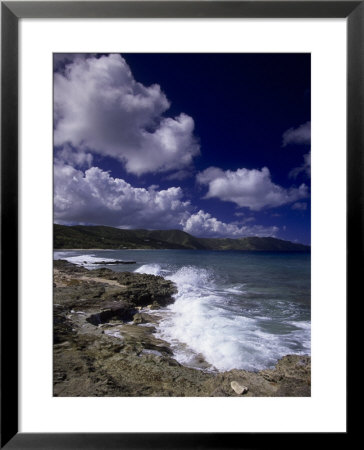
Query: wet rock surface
point(105, 343)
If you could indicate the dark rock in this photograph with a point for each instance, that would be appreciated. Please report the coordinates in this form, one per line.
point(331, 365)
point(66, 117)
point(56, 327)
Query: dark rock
point(144, 289)
point(62, 326)
point(122, 311)
point(68, 267)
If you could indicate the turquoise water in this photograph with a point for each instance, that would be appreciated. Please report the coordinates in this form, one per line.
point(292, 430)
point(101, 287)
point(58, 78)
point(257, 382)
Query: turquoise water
point(240, 310)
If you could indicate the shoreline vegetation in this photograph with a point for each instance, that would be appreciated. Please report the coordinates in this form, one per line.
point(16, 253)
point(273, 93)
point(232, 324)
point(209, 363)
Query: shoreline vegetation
point(102, 237)
point(104, 344)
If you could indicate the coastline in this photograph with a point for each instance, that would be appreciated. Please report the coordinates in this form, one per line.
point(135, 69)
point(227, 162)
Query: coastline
point(109, 249)
point(104, 343)
point(85, 249)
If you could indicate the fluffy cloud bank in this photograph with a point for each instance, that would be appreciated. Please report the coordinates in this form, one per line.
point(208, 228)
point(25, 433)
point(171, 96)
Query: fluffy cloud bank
point(95, 197)
point(99, 107)
point(253, 189)
point(299, 135)
point(202, 224)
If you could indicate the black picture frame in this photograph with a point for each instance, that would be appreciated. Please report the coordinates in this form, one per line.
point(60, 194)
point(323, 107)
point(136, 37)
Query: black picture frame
point(11, 12)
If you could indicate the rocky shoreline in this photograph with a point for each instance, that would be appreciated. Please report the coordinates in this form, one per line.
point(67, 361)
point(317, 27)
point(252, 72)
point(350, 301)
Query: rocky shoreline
point(104, 344)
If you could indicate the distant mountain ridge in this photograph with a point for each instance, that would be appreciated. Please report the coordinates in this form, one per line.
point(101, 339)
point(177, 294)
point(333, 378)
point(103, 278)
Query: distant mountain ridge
point(99, 237)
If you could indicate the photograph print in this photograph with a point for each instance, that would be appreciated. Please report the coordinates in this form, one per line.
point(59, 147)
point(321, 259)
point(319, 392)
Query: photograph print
point(182, 223)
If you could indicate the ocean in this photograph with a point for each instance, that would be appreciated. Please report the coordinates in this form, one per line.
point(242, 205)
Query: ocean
point(239, 310)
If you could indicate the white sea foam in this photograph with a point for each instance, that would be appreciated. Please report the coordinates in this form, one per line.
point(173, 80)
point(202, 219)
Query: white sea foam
point(86, 260)
point(232, 324)
point(199, 320)
point(151, 269)
point(236, 289)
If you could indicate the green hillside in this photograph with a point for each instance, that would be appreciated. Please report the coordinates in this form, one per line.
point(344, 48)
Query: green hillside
point(86, 237)
point(253, 244)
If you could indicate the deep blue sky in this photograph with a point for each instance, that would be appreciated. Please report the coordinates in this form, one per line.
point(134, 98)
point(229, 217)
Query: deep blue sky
point(242, 106)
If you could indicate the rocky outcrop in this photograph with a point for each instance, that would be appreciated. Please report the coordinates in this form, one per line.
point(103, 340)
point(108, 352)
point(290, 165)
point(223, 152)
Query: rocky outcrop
point(122, 311)
point(105, 344)
point(114, 262)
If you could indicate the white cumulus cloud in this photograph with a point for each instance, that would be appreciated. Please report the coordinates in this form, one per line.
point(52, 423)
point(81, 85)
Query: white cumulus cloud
point(95, 197)
point(299, 135)
point(202, 224)
point(253, 189)
point(73, 157)
point(99, 107)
